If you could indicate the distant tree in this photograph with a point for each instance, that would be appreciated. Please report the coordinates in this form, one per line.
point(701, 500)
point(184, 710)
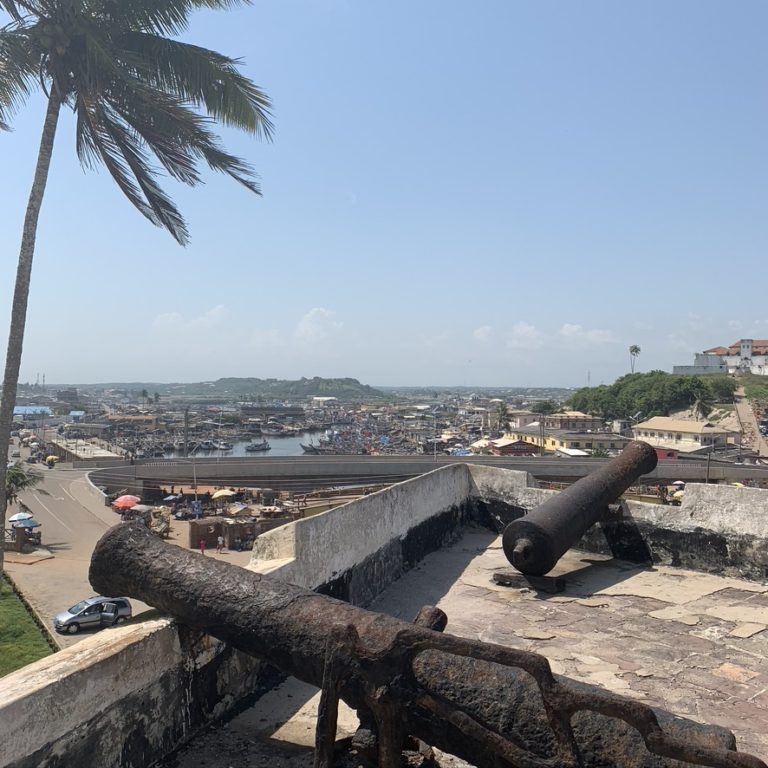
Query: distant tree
point(722, 388)
point(157, 397)
point(634, 351)
point(544, 407)
point(144, 396)
point(600, 452)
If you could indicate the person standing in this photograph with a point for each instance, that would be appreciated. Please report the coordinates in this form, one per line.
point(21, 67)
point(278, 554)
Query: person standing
point(220, 544)
point(202, 546)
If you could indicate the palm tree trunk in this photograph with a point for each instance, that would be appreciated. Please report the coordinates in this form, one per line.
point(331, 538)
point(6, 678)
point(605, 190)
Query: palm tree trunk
point(21, 293)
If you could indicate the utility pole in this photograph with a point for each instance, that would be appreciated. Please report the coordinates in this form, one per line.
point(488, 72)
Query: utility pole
point(186, 432)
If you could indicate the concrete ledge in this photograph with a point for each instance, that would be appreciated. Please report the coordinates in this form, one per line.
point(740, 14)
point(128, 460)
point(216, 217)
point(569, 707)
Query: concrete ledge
point(123, 697)
point(718, 529)
point(323, 547)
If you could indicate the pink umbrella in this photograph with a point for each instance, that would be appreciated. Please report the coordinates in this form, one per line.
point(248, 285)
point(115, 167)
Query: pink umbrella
point(125, 502)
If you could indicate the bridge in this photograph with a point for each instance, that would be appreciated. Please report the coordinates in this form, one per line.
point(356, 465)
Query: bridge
point(306, 473)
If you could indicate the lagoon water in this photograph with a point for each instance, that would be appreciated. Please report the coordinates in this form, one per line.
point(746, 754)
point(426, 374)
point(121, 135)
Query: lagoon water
point(280, 446)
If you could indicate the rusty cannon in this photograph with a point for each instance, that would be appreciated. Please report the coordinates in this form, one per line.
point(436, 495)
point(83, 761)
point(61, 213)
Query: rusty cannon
point(534, 543)
point(493, 706)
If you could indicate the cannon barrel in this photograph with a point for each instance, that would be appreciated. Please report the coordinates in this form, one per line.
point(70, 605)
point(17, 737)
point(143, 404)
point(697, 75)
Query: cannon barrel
point(534, 543)
point(493, 706)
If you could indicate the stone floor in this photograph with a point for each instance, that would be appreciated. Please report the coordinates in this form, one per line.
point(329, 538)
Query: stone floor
point(691, 643)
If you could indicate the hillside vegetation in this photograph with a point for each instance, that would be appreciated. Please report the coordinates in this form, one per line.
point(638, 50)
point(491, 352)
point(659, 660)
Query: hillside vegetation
point(755, 387)
point(247, 388)
point(344, 389)
point(643, 395)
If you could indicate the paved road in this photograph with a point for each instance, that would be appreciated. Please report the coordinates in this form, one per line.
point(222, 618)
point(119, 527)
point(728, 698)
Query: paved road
point(71, 526)
point(753, 439)
point(73, 519)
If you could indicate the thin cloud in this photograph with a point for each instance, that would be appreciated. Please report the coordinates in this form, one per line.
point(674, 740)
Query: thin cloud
point(482, 334)
point(574, 332)
point(317, 327)
point(177, 321)
point(524, 336)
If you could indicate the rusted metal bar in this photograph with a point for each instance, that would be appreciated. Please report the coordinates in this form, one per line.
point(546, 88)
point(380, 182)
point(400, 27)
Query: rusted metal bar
point(534, 543)
point(493, 706)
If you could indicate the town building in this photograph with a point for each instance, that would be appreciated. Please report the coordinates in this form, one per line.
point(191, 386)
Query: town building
point(32, 415)
point(680, 434)
point(68, 396)
point(743, 356)
point(506, 446)
point(520, 419)
point(572, 420)
point(554, 440)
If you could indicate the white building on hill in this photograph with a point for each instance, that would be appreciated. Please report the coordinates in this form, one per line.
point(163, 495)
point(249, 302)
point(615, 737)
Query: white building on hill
point(743, 356)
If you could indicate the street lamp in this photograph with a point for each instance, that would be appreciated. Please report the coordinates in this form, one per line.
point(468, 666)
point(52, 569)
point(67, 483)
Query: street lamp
point(434, 441)
point(194, 472)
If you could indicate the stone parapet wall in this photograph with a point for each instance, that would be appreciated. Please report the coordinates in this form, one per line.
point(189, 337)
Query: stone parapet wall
point(325, 547)
point(128, 696)
point(123, 698)
point(719, 529)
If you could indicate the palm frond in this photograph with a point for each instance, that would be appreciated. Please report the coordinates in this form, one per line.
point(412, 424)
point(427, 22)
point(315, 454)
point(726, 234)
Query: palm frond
point(165, 125)
point(144, 103)
point(103, 136)
point(179, 137)
point(18, 67)
point(165, 17)
point(12, 8)
point(205, 78)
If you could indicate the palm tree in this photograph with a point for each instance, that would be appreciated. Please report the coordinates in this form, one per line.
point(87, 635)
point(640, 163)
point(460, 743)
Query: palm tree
point(144, 396)
point(139, 97)
point(703, 404)
point(634, 351)
point(502, 417)
point(18, 478)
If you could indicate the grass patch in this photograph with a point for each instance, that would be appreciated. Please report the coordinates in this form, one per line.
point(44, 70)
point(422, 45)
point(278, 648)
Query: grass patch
point(21, 640)
point(755, 387)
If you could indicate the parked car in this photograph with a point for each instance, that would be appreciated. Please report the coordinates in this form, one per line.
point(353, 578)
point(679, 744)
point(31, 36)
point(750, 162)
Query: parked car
point(88, 614)
point(16, 454)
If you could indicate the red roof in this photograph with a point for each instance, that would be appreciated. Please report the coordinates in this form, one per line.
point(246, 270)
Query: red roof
point(759, 347)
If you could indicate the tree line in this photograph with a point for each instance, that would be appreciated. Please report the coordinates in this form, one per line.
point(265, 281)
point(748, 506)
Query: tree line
point(657, 393)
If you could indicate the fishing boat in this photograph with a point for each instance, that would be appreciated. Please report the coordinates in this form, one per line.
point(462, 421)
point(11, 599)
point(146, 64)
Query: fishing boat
point(254, 447)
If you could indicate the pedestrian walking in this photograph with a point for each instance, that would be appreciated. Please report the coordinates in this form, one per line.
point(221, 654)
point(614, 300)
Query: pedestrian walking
point(220, 544)
point(202, 546)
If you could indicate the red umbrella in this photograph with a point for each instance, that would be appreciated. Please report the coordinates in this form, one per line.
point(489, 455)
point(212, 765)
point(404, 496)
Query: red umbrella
point(125, 502)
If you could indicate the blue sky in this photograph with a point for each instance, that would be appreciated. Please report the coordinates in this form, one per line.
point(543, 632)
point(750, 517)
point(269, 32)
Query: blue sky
point(492, 193)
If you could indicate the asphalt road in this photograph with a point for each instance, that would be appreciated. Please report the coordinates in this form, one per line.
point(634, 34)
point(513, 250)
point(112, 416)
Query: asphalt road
point(71, 526)
point(73, 519)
